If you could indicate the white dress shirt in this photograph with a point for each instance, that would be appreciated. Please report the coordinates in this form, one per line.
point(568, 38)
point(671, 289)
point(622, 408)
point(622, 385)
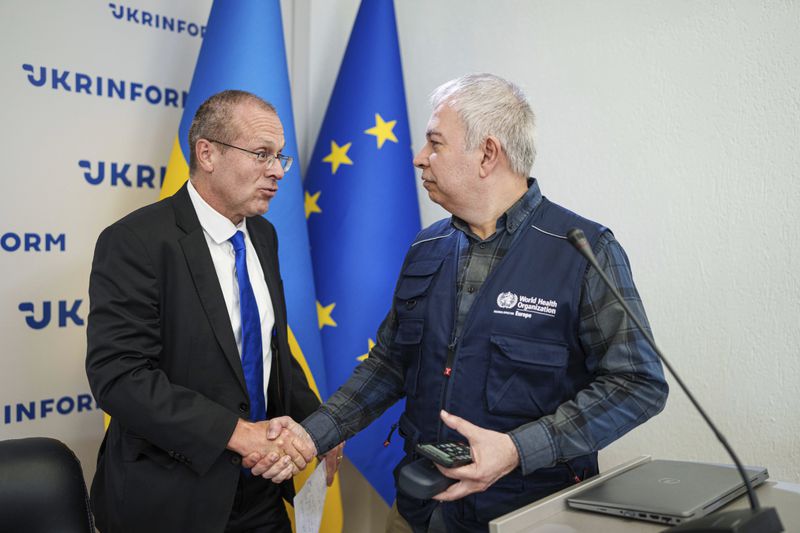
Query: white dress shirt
point(218, 229)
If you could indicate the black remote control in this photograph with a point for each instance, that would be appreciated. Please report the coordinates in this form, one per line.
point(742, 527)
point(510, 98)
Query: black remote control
point(447, 454)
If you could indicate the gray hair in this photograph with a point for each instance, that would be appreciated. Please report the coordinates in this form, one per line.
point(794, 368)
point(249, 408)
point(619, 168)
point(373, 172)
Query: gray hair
point(489, 105)
point(214, 119)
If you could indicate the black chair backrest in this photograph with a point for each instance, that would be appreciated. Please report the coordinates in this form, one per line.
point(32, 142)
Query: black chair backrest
point(42, 488)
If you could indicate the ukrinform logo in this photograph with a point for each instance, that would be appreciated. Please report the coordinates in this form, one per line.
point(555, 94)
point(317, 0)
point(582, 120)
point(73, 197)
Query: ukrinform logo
point(516, 305)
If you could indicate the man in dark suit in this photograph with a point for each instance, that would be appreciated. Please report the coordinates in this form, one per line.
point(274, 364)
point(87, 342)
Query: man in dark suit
point(188, 373)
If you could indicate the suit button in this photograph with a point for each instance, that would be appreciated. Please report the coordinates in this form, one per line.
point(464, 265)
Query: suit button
point(236, 460)
point(243, 407)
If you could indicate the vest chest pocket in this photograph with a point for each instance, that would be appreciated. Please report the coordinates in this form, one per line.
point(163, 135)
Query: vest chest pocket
point(415, 280)
point(524, 376)
point(410, 305)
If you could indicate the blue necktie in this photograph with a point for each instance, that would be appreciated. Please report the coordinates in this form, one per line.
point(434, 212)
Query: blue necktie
point(252, 357)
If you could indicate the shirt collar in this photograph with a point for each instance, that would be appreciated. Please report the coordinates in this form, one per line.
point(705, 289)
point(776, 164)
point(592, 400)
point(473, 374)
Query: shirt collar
point(217, 225)
point(514, 216)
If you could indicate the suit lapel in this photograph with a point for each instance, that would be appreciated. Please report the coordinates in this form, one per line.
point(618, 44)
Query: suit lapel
point(198, 258)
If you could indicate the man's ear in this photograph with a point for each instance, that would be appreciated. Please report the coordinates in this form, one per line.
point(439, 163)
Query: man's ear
point(204, 154)
point(492, 152)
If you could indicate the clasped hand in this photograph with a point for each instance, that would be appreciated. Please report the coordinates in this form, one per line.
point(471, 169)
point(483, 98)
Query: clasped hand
point(279, 448)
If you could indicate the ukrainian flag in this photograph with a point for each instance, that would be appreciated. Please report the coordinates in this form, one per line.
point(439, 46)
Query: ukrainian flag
point(363, 213)
point(243, 48)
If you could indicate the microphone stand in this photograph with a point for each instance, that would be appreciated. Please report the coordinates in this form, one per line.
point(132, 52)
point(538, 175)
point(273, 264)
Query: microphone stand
point(753, 520)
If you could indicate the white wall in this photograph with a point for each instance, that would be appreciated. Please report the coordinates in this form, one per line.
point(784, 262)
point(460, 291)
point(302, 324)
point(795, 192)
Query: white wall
point(675, 124)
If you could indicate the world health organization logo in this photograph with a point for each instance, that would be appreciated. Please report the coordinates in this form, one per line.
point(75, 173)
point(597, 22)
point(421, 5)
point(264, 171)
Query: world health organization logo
point(507, 300)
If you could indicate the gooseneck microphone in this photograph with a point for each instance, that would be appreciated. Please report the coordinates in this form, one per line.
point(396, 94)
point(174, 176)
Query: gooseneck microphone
point(753, 520)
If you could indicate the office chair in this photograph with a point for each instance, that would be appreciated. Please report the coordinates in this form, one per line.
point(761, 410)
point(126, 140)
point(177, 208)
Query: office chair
point(42, 488)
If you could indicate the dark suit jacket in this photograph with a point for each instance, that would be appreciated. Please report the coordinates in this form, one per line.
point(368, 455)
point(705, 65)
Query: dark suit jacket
point(162, 361)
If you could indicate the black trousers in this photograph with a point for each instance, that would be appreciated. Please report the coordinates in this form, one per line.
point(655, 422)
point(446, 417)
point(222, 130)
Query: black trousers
point(258, 507)
point(435, 525)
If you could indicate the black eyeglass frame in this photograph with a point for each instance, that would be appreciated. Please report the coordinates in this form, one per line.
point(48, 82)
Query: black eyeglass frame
point(263, 156)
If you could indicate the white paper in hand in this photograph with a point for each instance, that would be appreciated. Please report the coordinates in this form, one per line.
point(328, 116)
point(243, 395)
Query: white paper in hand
point(309, 502)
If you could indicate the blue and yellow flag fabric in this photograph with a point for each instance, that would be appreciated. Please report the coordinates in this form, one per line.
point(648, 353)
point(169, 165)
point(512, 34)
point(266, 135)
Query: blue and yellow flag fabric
point(363, 213)
point(243, 48)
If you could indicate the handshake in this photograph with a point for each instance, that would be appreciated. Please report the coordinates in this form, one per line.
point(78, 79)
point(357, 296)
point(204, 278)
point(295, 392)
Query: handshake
point(279, 448)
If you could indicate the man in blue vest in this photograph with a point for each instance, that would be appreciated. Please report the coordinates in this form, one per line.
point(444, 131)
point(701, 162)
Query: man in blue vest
point(499, 333)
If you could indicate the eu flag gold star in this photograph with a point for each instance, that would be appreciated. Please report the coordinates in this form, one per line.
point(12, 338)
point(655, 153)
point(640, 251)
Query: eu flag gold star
point(338, 156)
point(382, 130)
point(370, 346)
point(324, 315)
point(311, 203)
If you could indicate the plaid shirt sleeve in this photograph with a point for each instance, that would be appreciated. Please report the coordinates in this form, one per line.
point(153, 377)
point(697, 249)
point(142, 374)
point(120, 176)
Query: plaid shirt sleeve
point(629, 387)
point(376, 384)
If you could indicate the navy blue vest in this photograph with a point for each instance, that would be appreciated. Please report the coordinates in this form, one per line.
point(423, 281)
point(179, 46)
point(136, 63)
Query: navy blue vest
point(518, 357)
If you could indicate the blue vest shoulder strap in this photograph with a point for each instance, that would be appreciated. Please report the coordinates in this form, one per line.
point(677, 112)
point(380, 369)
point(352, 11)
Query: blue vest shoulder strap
point(555, 220)
point(437, 230)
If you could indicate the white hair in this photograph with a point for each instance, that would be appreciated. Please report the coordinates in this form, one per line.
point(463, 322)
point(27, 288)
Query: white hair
point(489, 105)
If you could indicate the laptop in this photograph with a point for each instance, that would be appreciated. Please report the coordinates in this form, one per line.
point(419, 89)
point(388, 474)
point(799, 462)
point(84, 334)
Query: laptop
point(667, 492)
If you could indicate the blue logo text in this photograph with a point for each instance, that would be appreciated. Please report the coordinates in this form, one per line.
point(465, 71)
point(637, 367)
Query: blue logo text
point(66, 405)
point(155, 20)
point(33, 242)
point(67, 311)
point(78, 82)
point(122, 174)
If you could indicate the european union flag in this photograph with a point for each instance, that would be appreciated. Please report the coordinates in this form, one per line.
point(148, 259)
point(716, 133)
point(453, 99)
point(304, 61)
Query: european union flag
point(363, 214)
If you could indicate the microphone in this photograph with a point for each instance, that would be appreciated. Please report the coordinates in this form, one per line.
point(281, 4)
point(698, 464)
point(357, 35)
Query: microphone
point(753, 520)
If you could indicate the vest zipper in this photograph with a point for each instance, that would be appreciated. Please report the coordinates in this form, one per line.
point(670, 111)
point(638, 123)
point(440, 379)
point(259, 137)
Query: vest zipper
point(451, 355)
point(448, 369)
point(452, 346)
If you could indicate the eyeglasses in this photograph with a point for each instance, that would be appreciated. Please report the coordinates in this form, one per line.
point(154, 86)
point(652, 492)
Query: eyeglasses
point(263, 157)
